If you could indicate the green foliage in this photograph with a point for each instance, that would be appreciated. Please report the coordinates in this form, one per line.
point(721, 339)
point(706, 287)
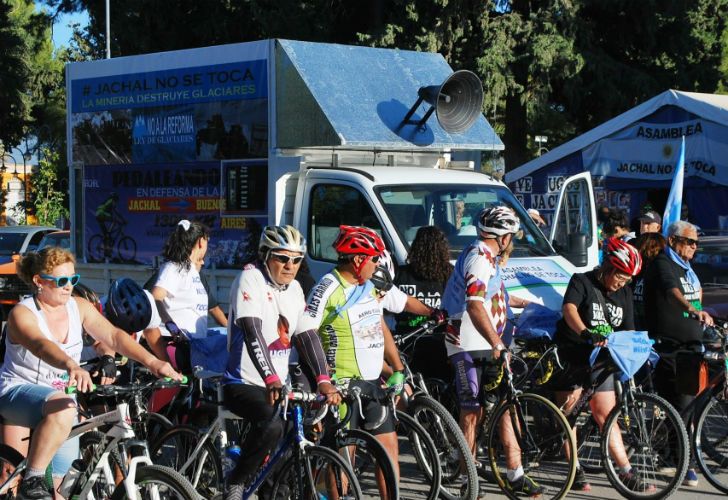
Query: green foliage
point(14, 59)
point(49, 200)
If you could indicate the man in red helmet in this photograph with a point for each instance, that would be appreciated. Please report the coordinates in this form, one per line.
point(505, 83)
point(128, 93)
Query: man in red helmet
point(345, 310)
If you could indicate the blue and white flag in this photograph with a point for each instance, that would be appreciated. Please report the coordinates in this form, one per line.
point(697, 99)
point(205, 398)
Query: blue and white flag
point(674, 200)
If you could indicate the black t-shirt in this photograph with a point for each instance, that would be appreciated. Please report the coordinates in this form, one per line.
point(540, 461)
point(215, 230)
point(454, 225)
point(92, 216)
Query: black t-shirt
point(590, 298)
point(664, 318)
point(429, 292)
point(638, 297)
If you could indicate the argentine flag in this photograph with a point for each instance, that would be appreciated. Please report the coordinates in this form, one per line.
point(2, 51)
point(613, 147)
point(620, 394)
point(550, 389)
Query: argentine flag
point(674, 200)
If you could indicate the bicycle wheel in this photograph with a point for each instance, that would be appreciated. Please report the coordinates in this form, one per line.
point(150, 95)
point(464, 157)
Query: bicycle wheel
point(710, 443)
point(10, 459)
point(323, 474)
point(91, 446)
point(451, 447)
point(655, 441)
point(151, 426)
point(367, 455)
point(419, 465)
point(155, 481)
point(541, 432)
point(96, 248)
point(126, 249)
point(174, 450)
point(588, 444)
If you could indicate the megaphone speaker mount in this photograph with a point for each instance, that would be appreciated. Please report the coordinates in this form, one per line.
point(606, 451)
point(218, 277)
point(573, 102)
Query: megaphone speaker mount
point(458, 102)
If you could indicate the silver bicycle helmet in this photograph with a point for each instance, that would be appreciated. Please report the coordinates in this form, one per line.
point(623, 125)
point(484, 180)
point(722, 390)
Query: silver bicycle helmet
point(280, 238)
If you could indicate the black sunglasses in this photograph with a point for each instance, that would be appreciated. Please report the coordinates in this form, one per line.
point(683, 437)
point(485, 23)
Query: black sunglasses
point(375, 258)
point(285, 259)
point(62, 281)
point(687, 241)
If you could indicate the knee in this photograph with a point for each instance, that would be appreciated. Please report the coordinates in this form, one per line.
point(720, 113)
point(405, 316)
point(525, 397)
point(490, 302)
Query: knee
point(60, 411)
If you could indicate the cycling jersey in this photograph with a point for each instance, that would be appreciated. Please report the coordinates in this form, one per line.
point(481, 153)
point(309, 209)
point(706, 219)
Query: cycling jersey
point(350, 331)
point(280, 312)
point(476, 277)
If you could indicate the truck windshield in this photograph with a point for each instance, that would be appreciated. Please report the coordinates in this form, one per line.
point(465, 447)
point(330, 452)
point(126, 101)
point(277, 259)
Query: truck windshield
point(11, 243)
point(454, 209)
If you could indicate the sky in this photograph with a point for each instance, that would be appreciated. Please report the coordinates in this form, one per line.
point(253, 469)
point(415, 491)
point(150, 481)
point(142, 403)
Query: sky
point(61, 32)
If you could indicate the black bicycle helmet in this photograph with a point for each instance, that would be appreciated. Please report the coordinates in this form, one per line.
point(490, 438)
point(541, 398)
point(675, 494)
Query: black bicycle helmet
point(127, 306)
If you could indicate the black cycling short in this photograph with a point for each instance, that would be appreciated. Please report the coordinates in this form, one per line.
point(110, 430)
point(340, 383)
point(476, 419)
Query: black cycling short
point(577, 373)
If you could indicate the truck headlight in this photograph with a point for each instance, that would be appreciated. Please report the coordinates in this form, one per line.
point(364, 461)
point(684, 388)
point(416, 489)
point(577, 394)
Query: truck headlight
point(3, 282)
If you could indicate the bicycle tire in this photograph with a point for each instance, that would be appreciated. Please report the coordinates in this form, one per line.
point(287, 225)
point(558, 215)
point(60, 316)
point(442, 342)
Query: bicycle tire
point(173, 450)
point(542, 444)
point(588, 444)
point(126, 249)
point(413, 439)
point(10, 459)
point(369, 454)
point(451, 446)
point(171, 484)
point(151, 426)
point(709, 443)
point(319, 475)
point(96, 248)
point(653, 418)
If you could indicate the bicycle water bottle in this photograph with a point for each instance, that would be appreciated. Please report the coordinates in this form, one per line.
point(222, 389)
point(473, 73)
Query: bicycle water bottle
point(232, 455)
point(71, 477)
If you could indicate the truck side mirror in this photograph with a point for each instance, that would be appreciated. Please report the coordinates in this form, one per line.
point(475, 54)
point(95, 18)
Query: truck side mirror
point(576, 252)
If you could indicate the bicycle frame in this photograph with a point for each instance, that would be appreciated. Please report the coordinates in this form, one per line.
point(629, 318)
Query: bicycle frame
point(120, 432)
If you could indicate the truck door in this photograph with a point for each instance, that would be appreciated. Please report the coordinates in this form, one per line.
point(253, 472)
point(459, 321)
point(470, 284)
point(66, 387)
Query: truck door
point(329, 205)
point(574, 228)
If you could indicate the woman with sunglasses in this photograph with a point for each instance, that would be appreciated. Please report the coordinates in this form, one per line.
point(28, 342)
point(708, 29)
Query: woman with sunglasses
point(43, 349)
point(595, 304)
point(179, 292)
point(267, 309)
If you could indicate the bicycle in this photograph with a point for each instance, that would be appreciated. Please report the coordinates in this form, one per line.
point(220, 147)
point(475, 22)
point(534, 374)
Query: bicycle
point(305, 468)
point(456, 461)
point(115, 448)
point(707, 414)
point(650, 428)
point(101, 246)
point(541, 432)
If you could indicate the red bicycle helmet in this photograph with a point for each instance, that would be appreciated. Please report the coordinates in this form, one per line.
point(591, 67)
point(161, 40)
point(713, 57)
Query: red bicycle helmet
point(356, 240)
point(623, 256)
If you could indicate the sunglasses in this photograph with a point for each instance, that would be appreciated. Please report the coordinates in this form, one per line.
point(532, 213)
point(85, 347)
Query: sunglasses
point(375, 258)
point(622, 280)
point(688, 241)
point(62, 281)
point(285, 259)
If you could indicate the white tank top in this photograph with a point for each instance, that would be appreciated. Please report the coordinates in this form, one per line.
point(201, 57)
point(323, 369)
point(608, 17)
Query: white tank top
point(22, 367)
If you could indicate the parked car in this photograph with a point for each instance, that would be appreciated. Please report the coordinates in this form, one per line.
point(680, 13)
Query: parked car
point(56, 239)
point(16, 241)
point(711, 266)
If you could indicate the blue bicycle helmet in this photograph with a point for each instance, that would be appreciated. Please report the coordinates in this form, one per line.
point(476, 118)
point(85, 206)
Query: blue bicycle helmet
point(127, 306)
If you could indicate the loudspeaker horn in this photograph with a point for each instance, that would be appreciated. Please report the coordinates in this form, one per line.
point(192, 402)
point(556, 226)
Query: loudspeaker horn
point(458, 102)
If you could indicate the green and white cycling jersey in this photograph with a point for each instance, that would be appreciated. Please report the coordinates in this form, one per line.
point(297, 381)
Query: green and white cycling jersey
point(349, 321)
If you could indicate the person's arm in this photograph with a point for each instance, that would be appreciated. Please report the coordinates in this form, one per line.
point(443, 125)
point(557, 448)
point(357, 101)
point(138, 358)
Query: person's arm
point(480, 270)
point(416, 306)
point(308, 345)
point(23, 329)
point(676, 297)
point(482, 324)
point(156, 343)
point(668, 281)
point(218, 315)
point(96, 325)
point(159, 295)
point(106, 367)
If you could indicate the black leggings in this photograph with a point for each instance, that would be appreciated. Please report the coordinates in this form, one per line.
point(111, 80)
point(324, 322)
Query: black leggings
point(250, 402)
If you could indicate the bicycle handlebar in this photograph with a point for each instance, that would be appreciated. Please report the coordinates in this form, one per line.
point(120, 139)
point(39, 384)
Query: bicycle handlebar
point(111, 390)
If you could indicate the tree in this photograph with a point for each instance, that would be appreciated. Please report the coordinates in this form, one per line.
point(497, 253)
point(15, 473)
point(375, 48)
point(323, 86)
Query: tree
point(14, 99)
point(49, 200)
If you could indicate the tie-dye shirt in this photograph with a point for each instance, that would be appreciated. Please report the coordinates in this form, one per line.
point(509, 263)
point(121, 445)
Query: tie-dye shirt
point(477, 277)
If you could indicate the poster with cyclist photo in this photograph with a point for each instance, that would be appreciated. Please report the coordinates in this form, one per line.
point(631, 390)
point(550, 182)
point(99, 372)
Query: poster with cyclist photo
point(132, 209)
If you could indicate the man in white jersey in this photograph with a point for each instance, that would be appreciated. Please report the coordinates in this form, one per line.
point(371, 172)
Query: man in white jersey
point(475, 300)
point(265, 318)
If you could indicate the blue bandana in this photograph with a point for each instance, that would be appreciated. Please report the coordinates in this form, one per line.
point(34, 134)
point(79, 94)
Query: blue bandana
point(691, 276)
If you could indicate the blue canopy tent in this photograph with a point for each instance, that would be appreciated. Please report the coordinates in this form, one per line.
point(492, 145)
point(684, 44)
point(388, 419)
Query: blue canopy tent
point(632, 158)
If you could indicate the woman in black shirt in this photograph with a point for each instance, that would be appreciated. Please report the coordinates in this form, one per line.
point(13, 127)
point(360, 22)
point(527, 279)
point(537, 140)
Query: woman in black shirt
point(595, 304)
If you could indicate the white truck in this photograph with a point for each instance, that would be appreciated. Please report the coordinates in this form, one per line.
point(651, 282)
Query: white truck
point(313, 135)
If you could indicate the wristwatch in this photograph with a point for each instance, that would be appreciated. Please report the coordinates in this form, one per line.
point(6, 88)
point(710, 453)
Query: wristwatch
point(499, 347)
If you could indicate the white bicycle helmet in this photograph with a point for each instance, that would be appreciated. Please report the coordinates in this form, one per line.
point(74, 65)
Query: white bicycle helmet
point(498, 220)
point(280, 238)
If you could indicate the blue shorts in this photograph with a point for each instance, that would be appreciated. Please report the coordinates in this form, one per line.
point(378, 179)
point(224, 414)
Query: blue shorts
point(24, 405)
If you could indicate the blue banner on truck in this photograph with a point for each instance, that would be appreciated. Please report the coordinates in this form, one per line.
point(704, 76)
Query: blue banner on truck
point(132, 209)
